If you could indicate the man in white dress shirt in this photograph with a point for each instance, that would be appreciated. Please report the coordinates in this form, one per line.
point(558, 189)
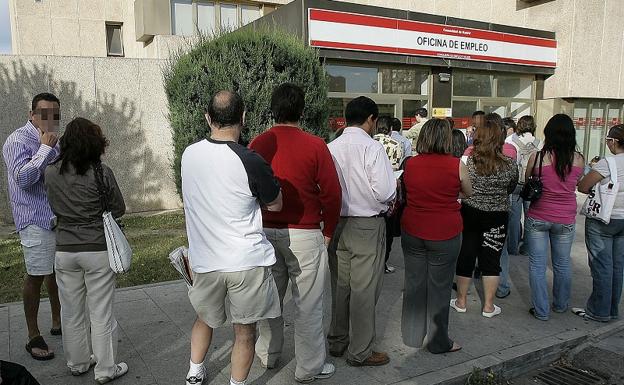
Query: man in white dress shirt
point(356, 253)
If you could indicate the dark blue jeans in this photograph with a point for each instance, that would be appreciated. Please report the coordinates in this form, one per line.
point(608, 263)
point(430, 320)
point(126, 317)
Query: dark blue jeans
point(605, 246)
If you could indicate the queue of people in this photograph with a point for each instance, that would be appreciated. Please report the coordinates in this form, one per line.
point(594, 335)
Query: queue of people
point(292, 209)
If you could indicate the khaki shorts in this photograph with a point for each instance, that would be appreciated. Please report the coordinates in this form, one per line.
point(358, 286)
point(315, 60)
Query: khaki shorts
point(39, 247)
point(252, 296)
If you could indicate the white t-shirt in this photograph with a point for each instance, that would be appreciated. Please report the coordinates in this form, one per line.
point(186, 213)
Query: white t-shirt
point(223, 184)
point(602, 167)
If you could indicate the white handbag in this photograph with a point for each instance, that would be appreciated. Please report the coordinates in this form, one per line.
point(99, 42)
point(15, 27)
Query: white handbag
point(601, 198)
point(119, 251)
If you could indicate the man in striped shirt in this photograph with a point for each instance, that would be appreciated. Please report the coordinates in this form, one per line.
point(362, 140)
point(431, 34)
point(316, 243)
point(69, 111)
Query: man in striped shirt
point(27, 152)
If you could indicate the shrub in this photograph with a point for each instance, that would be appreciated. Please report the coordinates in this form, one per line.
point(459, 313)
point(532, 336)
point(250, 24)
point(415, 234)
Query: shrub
point(252, 63)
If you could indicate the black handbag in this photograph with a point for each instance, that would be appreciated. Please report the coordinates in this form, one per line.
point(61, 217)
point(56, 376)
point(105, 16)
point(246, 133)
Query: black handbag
point(532, 189)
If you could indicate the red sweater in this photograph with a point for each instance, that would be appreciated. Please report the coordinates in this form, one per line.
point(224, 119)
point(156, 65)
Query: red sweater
point(432, 186)
point(306, 171)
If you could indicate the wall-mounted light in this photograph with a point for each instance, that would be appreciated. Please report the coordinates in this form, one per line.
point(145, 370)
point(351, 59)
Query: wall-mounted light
point(444, 77)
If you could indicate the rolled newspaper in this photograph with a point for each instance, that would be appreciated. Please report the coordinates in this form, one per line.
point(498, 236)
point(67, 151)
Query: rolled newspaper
point(179, 260)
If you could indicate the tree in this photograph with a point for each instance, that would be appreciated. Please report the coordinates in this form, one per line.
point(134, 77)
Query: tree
point(252, 63)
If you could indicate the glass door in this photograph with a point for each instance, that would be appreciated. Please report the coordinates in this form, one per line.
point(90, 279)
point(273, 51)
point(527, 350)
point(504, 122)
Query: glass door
point(597, 130)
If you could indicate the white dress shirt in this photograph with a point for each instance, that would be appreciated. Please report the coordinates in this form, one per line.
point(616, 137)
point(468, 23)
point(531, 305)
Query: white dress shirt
point(365, 173)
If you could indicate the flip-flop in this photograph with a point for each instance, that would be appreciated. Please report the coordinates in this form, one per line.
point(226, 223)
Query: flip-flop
point(56, 332)
point(457, 308)
point(39, 343)
point(583, 314)
point(453, 350)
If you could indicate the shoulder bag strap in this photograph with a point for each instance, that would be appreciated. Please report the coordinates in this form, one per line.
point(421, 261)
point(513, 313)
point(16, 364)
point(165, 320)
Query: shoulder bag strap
point(612, 169)
point(541, 156)
point(99, 180)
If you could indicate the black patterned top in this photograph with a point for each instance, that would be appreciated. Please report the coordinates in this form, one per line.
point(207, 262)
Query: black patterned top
point(491, 192)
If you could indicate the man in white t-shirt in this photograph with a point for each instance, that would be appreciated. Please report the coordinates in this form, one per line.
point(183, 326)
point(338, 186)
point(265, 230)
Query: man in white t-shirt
point(224, 186)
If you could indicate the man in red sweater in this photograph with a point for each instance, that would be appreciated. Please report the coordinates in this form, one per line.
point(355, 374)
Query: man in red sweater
point(299, 233)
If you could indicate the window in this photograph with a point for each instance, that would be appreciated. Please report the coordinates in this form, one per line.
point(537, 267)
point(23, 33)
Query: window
point(182, 13)
point(405, 81)
point(189, 17)
point(229, 16)
point(355, 79)
point(514, 87)
point(114, 41)
point(470, 84)
point(249, 13)
point(206, 17)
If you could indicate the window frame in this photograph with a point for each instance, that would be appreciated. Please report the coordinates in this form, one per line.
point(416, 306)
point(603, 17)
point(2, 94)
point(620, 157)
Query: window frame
point(121, 40)
point(217, 10)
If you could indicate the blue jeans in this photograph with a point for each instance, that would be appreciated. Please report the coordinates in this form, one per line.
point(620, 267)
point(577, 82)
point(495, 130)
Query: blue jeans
point(538, 236)
point(518, 207)
point(605, 246)
point(503, 285)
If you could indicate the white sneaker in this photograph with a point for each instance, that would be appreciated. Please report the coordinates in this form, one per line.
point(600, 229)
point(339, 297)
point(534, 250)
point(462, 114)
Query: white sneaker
point(328, 370)
point(497, 311)
point(120, 369)
point(457, 308)
point(76, 372)
point(198, 378)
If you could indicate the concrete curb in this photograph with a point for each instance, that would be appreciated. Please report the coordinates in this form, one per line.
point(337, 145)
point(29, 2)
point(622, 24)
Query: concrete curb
point(520, 359)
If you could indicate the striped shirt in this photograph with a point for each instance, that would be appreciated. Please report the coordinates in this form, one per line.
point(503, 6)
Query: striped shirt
point(26, 160)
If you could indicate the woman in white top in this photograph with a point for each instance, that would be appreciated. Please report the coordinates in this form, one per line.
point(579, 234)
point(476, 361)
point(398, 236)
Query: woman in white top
point(605, 243)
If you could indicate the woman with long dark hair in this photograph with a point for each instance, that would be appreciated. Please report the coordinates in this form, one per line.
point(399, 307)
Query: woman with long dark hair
point(485, 214)
point(605, 242)
point(550, 222)
point(74, 185)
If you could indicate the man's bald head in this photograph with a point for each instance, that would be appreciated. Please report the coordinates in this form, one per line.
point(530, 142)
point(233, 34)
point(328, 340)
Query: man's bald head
point(226, 108)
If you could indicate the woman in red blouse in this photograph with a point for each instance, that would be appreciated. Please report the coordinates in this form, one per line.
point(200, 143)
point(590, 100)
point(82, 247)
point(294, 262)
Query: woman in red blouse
point(431, 236)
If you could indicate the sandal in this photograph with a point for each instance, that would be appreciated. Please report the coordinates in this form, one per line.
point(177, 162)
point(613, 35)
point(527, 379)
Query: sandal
point(457, 308)
point(583, 314)
point(39, 343)
point(56, 332)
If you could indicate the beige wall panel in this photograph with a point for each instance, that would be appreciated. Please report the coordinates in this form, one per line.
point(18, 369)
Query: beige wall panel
point(476, 9)
point(92, 38)
point(611, 50)
point(63, 8)
point(159, 185)
point(585, 49)
point(31, 8)
point(72, 81)
point(65, 37)
point(448, 8)
point(92, 9)
point(114, 10)
point(35, 35)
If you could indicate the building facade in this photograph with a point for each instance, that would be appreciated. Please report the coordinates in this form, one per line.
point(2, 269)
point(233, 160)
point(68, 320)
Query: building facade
point(513, 57)
point(585, 81)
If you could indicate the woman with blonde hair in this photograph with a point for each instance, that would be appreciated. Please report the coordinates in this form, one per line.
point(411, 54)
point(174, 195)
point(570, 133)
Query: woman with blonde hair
point(485, 214)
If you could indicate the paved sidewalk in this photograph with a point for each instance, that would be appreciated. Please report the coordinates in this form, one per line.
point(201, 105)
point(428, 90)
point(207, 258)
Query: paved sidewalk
point(155, 323)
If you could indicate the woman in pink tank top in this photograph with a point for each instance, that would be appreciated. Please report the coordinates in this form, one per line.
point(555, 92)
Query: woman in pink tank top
point(550, 222)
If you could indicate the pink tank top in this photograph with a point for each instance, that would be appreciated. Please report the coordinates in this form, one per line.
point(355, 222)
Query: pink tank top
point(558, 201)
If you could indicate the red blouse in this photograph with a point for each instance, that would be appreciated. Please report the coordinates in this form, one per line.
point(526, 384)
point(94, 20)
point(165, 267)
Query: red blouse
point(432, 187)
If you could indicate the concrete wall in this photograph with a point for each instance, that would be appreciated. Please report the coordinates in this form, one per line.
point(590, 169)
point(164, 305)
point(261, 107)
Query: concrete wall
point(77, 27)
point(589, 33)
point(124, 96)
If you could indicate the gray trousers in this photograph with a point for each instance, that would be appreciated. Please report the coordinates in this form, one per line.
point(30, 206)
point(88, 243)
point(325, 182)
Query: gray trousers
point(356, 263)
point(429, 272)
point(301, 259)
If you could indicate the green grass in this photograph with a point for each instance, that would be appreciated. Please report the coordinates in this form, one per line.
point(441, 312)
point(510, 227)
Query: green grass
point(151, 238)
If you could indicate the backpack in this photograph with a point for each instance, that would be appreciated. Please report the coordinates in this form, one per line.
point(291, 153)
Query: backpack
point(524, 154)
